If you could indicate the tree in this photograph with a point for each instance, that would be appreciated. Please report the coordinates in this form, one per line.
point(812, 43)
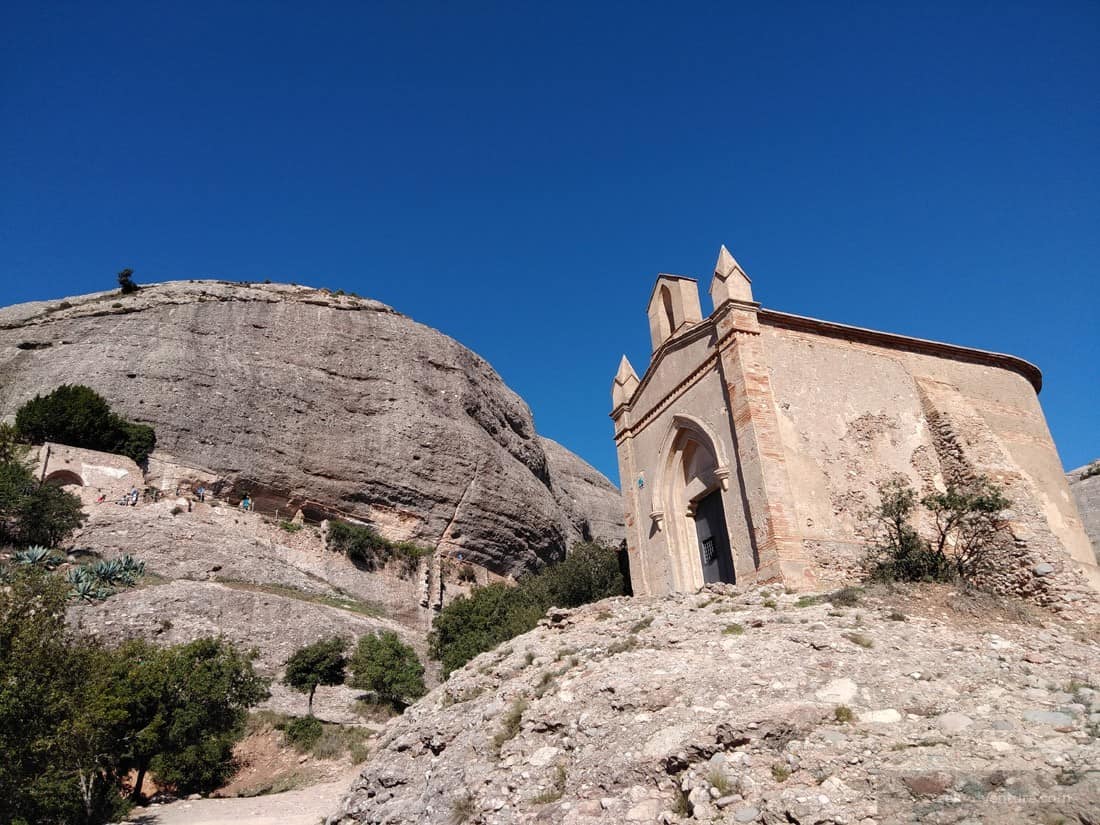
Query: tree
point(34, 513)
point(77, 415)
point(388, 668)
point(72, 414)
point(968, 531)
point(59, 724)
point(188, 706)
point(969, 526)
point(321, 663)
point(126, 282)
point(10, 448)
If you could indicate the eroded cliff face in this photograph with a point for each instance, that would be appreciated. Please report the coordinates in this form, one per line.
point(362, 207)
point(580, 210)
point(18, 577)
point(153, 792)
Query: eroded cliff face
point(333, 404)
point(1086, 492)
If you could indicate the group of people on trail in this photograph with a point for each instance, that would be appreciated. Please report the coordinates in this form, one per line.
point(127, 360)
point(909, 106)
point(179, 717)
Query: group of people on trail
point(131, 498)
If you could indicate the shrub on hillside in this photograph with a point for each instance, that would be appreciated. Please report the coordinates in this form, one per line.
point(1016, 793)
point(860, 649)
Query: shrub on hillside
point(968, 530)
point(302, 733)
point(32, 513)
point(493, 614)
point(371, 551)
point(77, 415)
point(126, 283)
point(387, 668)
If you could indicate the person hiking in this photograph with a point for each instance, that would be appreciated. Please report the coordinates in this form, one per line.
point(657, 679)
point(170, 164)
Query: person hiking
point(201, 492)
point(246, 502)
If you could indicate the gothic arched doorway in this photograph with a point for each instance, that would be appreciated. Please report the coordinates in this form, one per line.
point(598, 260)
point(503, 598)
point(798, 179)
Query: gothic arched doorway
point(698, 535)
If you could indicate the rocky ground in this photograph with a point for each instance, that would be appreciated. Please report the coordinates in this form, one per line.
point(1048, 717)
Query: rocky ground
point(301, 806)
point(217, 571)
point(741, 706)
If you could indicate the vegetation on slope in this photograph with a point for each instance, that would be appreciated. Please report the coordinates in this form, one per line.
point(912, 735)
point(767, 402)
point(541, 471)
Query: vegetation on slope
point(495, 613)
point(77, 415)
point(76, 717)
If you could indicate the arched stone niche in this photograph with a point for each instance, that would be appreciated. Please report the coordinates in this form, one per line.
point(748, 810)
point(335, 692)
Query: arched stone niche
point(64, 478)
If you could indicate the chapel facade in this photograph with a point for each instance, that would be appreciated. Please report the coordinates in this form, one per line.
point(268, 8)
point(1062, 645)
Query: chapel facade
point(752, 447)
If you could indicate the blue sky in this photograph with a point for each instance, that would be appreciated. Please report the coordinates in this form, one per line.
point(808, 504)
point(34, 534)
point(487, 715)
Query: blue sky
point(516, 174)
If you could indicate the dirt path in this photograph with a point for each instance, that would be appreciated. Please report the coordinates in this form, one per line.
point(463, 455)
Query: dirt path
point(305, 806)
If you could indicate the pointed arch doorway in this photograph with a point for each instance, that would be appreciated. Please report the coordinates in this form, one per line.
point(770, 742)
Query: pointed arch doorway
point(692, 492)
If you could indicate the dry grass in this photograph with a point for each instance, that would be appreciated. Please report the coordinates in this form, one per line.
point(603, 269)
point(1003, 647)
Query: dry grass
point(510, 723)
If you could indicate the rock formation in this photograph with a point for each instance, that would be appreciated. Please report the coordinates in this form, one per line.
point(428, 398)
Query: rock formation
point(583, 492)
point(756, 706)
point(328, 403)
point(1086, 490)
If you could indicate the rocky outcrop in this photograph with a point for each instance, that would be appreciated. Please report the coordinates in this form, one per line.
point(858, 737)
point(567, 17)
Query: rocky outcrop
point(583, 491)
point(1086, 490)
point(330, 403)
point(756, 706)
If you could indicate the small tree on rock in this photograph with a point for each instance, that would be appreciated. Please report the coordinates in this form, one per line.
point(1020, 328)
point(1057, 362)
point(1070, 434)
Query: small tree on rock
point(968, 532)
point(321, 663)
point(388, 668)
point(126, 282)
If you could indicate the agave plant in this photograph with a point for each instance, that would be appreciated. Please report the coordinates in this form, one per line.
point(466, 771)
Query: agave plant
point(37, 556)
point(130, 569)
point(84, 589)
point(105, 571)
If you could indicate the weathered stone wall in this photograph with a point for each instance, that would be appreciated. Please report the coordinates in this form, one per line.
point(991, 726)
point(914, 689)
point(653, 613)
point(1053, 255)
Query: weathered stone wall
point(88, 473)
point(855, 414)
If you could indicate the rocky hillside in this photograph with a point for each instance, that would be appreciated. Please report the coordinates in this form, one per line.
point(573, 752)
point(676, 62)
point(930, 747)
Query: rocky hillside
point(1086, 490)
point(217, 571)
point(756, 706)
point(328, 403)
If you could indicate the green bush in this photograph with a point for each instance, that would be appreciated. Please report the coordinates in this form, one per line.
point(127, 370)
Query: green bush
point(302, 733)
point(371, 551)
point(388, 668)
point(33, 513)
point(497, 612)
point(77, 717)
point(967, 525)
point(77, 415)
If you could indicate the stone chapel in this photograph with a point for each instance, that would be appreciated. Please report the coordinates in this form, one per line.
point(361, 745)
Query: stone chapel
point(751, 448)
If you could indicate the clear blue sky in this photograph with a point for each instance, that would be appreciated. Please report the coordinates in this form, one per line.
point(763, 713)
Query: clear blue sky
point(515, 174)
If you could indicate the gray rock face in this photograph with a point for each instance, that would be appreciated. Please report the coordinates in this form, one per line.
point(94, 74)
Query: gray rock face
point(722, 707)
point(335, 404)
point(586, 492)
point(1087, 493)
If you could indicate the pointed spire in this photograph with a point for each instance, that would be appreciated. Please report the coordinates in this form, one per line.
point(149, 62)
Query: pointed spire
point(625, 371)
point(730, 281)
point(726, 264)
point(626, 382)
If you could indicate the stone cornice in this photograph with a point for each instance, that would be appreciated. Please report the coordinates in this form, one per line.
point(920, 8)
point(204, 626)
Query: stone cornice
point(799, 323)
point(890, 340)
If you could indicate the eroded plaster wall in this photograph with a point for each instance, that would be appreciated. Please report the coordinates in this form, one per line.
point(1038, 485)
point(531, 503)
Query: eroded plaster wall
point(852, 414)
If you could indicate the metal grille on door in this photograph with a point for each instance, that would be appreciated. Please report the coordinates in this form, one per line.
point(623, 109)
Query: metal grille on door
point(708, 551)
